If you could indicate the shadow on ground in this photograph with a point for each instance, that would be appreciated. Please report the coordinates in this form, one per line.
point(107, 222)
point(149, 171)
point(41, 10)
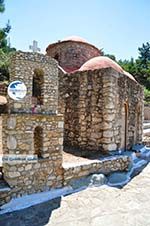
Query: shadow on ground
point(93, 155)
point(38, 215)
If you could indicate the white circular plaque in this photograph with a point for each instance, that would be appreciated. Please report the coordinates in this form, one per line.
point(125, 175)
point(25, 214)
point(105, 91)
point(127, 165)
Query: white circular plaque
point(17, 90)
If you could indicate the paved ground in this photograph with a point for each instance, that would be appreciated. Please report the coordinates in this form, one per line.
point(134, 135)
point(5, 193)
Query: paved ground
point(129, 206)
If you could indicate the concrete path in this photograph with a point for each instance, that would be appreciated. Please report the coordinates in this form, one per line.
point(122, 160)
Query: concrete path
point(129, 206)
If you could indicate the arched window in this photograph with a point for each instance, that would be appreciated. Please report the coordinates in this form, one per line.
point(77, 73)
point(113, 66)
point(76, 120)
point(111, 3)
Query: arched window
point(37, 87)
point(38, 141)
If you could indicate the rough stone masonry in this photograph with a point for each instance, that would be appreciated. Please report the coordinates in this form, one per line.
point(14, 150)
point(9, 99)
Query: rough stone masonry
point(90, 110)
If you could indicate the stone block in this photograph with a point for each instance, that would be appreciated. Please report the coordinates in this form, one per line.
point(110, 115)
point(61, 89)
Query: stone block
point(11, 142)
point(11, 123)
point(28, 167)
point(110, 147)
point(61, 124)
point(13, 174)
point(107, 133)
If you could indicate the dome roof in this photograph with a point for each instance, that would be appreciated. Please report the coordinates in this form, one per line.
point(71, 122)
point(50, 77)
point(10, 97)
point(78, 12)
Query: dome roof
point(75, 39)
point(104, 62)
point(100, 62)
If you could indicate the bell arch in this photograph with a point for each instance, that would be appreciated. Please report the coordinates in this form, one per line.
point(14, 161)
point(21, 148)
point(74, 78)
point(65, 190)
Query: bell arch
point(37, 87)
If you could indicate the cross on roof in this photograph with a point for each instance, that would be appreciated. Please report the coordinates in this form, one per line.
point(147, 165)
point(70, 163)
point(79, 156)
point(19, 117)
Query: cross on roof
point(34, 47)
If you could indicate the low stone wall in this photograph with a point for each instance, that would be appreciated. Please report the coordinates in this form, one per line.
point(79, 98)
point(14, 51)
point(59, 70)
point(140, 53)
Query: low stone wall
point(25, 178)
point(4, 197)
point(112, 164)
point(42, 175)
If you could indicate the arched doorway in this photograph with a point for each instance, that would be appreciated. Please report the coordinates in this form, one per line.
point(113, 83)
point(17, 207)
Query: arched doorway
point(137, 124)
point(124, 126)
point(38, 141)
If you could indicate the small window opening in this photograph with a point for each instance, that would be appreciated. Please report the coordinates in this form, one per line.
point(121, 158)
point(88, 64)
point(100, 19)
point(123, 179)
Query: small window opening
point(37, 87)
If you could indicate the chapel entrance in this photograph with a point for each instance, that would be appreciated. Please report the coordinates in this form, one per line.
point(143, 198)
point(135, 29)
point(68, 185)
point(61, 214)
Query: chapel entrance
point(124, 126)
point(137, 125)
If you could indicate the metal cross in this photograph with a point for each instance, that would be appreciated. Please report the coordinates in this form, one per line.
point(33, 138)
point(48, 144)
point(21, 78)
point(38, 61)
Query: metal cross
point(34, 47)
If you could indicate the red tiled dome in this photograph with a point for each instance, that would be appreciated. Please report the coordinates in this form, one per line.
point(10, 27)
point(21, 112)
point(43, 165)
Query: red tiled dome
point(74, 38)
point(100, 62)
point(103, 62)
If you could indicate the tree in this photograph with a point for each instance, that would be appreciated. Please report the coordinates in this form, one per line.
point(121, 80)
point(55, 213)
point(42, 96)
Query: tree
point(5, 49)
point(3, 35)
point(4, 31)
point(128, 65)
point(111, 56)
point(2, 6)
point(144, 55)
point(140, 68)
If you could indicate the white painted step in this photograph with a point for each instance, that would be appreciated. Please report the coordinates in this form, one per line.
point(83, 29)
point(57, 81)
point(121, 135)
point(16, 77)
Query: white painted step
point(146, 132)
point(146, 125)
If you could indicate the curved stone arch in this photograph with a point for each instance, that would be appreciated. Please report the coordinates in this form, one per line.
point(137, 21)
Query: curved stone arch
point(38, 86)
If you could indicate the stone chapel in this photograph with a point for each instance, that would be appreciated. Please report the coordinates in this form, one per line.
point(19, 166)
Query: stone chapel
point(102, 104)
point(76, 99)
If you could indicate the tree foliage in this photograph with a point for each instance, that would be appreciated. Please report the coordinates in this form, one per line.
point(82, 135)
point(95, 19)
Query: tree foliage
point(111, 56)
point(139, 68)
point(2, 6)
point(144, 55)
point(147, 96)
point(5, 48)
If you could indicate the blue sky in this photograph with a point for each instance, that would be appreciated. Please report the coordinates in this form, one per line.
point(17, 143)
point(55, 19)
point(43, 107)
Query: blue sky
point(117, 26)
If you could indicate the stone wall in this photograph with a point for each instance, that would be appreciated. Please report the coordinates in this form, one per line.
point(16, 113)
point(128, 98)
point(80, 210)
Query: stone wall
point(93, 106)
point(18, 133)
point(25, 169)
point(23, 66)
point(105, 166)
point(130, 93)
point(30, 175)
point(72, 55)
